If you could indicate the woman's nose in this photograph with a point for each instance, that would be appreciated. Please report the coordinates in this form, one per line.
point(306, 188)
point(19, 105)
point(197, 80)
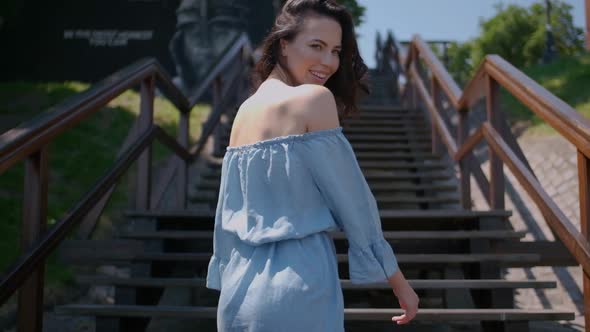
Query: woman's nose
point(329, 60)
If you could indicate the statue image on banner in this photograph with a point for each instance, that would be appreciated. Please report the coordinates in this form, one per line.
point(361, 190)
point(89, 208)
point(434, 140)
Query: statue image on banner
point(204, 30)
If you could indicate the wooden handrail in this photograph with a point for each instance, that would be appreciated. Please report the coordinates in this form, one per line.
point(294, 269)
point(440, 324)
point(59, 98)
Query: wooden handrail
point(572, 238)
point(31, 135)
point(558, 114)
point(566, 231)
point(30, 140)
point(18, 273)
point(491, 74)
point(439, 123)
point(394, 53)
point(468, 145)
point(445, 80)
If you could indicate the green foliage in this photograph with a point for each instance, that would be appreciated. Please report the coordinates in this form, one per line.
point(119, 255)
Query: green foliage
point(459, 61)
point(507, 34)
point(568, 78)
point(357, 11)
point(569, 39)
point(518, 35)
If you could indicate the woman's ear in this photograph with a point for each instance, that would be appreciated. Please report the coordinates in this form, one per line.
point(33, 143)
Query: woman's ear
point(283, 47)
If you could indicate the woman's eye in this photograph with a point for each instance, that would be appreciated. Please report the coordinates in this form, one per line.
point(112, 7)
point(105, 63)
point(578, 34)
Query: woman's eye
point(316, 46)
point(336, 52)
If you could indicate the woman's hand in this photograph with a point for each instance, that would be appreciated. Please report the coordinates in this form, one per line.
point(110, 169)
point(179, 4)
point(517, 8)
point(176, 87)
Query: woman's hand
point(408, 300)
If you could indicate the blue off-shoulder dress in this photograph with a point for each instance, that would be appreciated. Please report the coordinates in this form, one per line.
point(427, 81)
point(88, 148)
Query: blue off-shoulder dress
point(274, 260)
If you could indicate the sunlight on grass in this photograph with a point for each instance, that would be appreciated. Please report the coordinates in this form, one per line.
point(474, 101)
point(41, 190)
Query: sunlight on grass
point(584, 108)
point(554, 83)
point(568, 78)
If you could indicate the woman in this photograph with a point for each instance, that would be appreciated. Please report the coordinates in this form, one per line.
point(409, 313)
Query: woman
point(289, 177)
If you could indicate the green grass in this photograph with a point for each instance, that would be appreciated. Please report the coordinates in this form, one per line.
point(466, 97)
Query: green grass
point(77, 158)
point(568, 78)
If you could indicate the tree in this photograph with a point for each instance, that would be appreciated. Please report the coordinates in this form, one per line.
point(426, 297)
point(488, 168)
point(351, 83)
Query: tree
point(357, 11)
point(507, 34)
point(518, 35)
point(569, 39)
point(460, 64)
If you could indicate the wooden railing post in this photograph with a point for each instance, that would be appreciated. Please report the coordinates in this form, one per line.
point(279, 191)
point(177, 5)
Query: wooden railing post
point(496, 192)
point(217, 89)
point(30, 296)
point(217, 95)
point(410, 94)
point(144, 165)
point(183, 139)
point(465, 175)
point(435, 94)
point(413, 95)
point(584, 184)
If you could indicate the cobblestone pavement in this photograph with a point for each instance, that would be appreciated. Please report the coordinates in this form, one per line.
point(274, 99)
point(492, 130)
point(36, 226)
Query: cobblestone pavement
point(554, 161)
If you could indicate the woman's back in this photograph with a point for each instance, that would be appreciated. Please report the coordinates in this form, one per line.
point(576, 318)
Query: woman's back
point(277, 109)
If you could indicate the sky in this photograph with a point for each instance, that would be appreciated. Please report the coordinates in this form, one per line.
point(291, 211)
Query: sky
point(433, 19)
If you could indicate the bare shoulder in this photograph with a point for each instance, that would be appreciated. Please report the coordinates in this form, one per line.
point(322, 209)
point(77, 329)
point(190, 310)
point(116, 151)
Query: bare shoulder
point(318, 107)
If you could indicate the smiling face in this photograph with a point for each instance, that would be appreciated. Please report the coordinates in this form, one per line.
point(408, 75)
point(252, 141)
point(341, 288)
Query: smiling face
point(314, 54)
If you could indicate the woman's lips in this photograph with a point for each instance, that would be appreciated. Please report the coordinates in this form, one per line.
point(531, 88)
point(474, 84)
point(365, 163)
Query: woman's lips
point(320, 77)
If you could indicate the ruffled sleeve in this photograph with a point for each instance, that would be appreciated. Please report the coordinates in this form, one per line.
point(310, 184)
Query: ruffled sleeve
point(336, 172)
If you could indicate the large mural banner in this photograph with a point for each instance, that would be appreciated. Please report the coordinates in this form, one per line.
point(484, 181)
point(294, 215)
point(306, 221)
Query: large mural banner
point(88, 40)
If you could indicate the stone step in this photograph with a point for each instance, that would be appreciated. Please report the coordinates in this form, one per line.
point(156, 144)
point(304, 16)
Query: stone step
point(410, 125)
point(345, 284)
point(389, 235)
point(369, 108)
point(403, 180)
point(385, 215)
point(405, 187)
point(386, 130)
point(381, 201)
point(394, 156)
point(368, 165)
point(215, 174)
point(379, 141)
point(212, 197)
point(87, 255)
point(398, 156)
point(395, 175)
point(393, 185)
point(392, 219)
point(450, 315)
point(379, 164)
point(203, 219)
point(353, 138)
point(373, 136)
point(385, 115)
point(390, 147)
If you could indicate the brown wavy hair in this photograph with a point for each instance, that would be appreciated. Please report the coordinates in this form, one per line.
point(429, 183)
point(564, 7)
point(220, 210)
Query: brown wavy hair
point(351, 73)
